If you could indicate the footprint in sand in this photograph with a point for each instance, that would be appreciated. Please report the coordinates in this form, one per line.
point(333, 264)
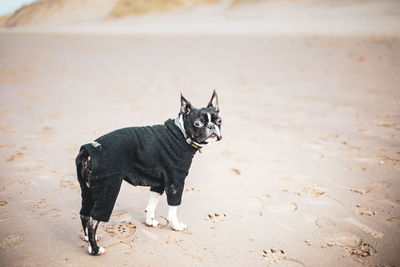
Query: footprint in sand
point(3, 203)
point(363, 250)
point(119, 233)
point(42, 204)
point(278, 256)
point(385, 160)
point(391, 219)
point(13, 240)
point(312, 190)
point(5, 182)
point(15, 156)
point(364, 211)
point(350, 242)
point(179, 238)
point(68, 184)
point(43, 207)
point(308, 190)
point(216, 217)
point(122, 230)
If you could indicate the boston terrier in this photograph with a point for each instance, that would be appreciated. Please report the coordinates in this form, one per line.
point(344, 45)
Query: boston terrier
point(157, 156)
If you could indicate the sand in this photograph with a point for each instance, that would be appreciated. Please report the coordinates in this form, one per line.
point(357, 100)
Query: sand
point(307, 173)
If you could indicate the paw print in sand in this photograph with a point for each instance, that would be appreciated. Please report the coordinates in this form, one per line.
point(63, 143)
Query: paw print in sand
point(121, 230)
point(275, 256)
point(119, 233)
point(215, 218)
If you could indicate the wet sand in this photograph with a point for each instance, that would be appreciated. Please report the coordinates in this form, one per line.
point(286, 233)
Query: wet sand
point(307, 173)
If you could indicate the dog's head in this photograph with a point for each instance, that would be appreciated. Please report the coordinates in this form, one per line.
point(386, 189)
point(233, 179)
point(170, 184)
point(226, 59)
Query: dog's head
point(202, 125)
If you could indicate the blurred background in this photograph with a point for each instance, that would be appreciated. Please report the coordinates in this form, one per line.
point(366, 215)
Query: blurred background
point(307, 171)
point(193, 16)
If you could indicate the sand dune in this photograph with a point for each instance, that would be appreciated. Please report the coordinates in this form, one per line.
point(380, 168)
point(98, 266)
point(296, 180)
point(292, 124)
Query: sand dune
point(60, 12)
point(369, 17)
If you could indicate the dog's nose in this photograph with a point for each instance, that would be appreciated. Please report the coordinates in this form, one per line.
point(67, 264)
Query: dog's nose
point(211, 126)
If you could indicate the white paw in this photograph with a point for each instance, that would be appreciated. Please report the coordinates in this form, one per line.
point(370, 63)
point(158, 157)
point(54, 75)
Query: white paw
point(100, 251)
point(179, 226)
point(151, 222)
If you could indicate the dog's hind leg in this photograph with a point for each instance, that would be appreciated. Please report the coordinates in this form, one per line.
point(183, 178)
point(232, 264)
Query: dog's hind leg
point(92, 228)
point(85, 221)
point(83, 167)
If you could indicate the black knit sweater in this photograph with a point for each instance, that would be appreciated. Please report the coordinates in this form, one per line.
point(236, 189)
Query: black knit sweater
point(157, 156)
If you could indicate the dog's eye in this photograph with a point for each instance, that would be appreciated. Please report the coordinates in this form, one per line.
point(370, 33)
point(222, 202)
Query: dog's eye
point(198, 124)
point(218, 121)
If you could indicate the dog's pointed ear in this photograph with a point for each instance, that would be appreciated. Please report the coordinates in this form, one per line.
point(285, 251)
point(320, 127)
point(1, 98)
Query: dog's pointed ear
point(186, 106)
point(214, 102)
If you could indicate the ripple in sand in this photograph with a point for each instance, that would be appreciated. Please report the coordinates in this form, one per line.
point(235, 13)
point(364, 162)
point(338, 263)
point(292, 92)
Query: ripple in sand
point(364, 227)
point(342, 239)
point(16, 156)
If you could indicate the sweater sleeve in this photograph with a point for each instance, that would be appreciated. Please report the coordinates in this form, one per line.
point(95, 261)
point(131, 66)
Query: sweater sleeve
point(174, 193)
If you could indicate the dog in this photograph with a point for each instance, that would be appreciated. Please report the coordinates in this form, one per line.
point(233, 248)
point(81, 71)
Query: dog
point(157, 156)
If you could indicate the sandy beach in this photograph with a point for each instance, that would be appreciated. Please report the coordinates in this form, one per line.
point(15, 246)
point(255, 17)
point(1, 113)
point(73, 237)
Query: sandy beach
point(307, 173)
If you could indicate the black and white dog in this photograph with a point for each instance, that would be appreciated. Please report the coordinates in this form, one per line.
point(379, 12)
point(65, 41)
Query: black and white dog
point(157, 156)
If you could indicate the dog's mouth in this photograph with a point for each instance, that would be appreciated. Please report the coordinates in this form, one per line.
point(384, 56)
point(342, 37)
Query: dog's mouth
point(211, 138)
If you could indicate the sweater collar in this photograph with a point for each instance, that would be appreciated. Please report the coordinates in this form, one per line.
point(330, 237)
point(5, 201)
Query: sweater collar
point(179, 123)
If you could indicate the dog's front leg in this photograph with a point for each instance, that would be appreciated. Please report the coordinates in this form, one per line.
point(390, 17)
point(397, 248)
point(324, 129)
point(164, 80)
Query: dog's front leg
point(151, 208)
point(173, 219)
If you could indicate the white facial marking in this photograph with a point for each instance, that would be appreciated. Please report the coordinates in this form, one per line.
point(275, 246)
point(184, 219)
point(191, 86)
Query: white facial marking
point(211, 140)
